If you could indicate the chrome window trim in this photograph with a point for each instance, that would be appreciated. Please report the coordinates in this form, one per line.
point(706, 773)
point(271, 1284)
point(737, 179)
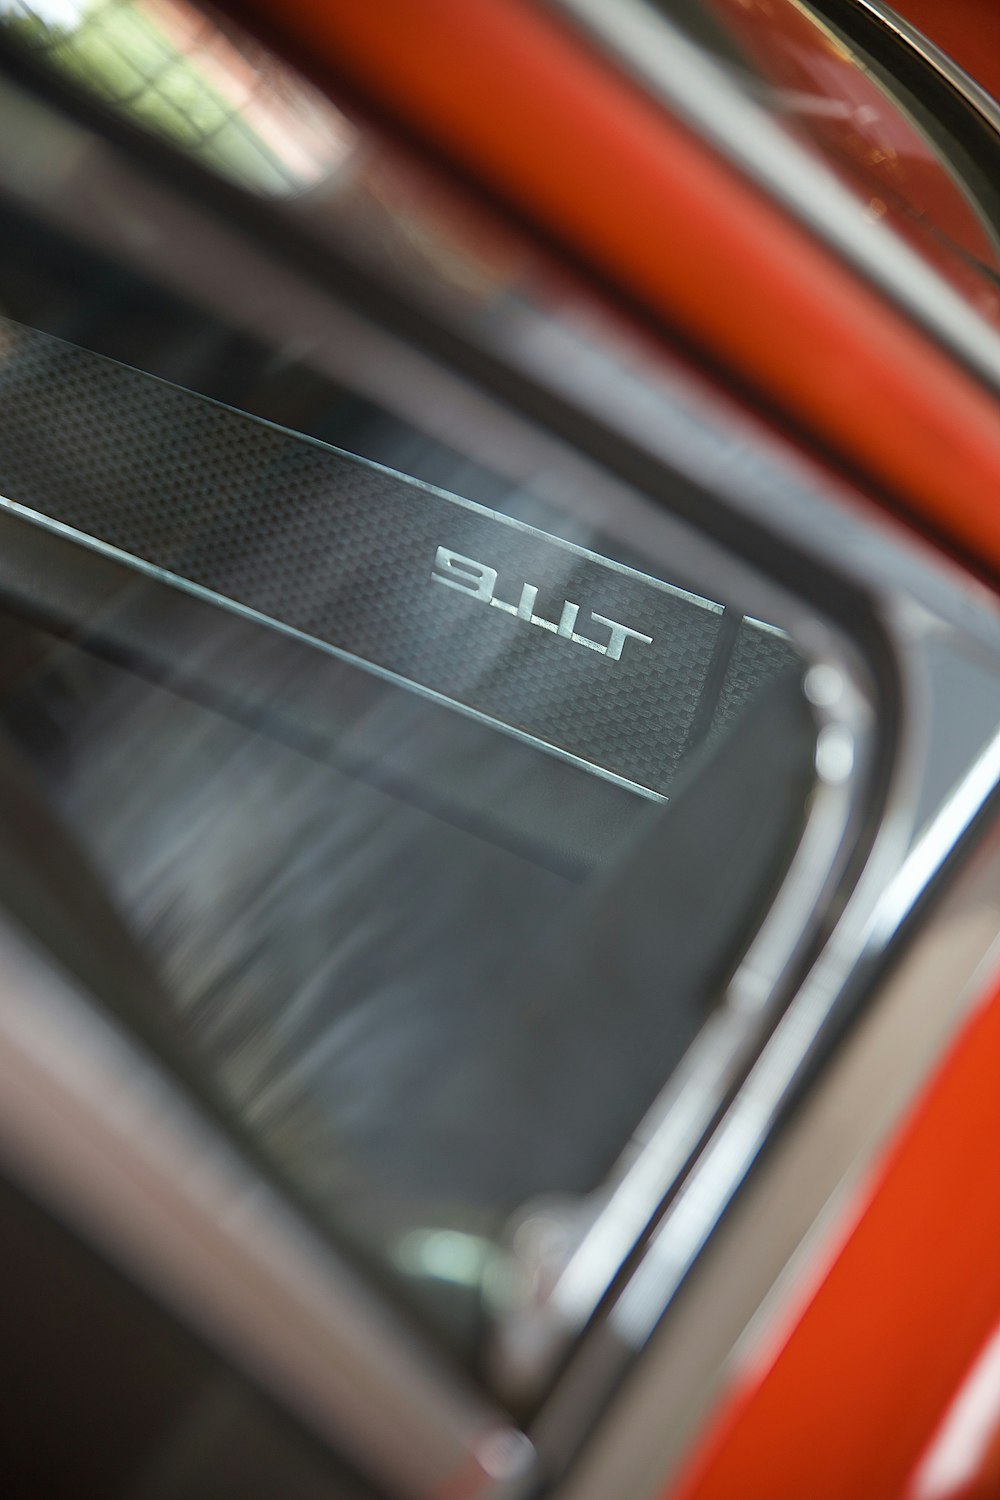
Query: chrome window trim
point(669, 1137)
point(968, 130)
point(771, 1249)
point(869, 932)
point(787, 1054)
point(671, 70)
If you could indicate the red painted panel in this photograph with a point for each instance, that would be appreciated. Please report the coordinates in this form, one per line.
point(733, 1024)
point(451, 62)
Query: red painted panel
point(866, 1374)
point(968, 30)
point(962, 1461)
point(521, 102)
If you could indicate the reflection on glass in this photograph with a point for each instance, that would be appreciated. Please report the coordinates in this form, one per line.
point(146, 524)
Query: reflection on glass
point(425, 872)
point(904, 167)
point(417, 913)
point(179, 73)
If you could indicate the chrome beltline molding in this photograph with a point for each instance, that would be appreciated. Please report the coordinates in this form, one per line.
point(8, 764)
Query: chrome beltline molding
point(673, 71)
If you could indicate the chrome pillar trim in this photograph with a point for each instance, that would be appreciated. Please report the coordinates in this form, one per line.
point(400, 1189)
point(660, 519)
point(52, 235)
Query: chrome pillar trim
point(897, 875)
point(787, 1052)
point(772, 1248)
point(661, 60)
point(763, 983)
point(88, 1124)
point(970, 91)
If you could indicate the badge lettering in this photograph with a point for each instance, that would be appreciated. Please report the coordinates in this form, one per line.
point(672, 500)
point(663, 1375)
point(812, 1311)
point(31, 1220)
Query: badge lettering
point(479, 581)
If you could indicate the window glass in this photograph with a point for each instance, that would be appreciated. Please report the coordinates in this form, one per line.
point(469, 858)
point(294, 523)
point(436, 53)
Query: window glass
point(413, 801)
point(397, 797)
point(178, 73)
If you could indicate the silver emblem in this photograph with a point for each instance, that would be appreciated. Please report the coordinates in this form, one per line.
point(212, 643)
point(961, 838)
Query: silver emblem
point(479, 581)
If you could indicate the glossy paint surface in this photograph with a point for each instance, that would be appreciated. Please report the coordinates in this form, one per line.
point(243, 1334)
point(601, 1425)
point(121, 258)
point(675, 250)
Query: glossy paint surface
point(962, 1460)
point(846, 1402)
point(520, 101)
point(968, 30)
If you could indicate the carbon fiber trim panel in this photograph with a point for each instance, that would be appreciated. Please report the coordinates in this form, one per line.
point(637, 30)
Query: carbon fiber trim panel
point(591, 659)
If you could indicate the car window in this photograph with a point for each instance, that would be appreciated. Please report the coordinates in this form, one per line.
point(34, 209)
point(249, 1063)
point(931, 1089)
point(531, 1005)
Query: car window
point(438, 835)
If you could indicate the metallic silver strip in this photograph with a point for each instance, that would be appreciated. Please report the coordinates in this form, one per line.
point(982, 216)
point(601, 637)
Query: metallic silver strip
point(741, 1135)
point(935, 844)
point(674, 72)
point(682, 1114)
point(973, 93)
point(688, 1228)
point(770, 629)
point(771, 1249)
point(112, 1144)
point(761, 996)
point(174, 580)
